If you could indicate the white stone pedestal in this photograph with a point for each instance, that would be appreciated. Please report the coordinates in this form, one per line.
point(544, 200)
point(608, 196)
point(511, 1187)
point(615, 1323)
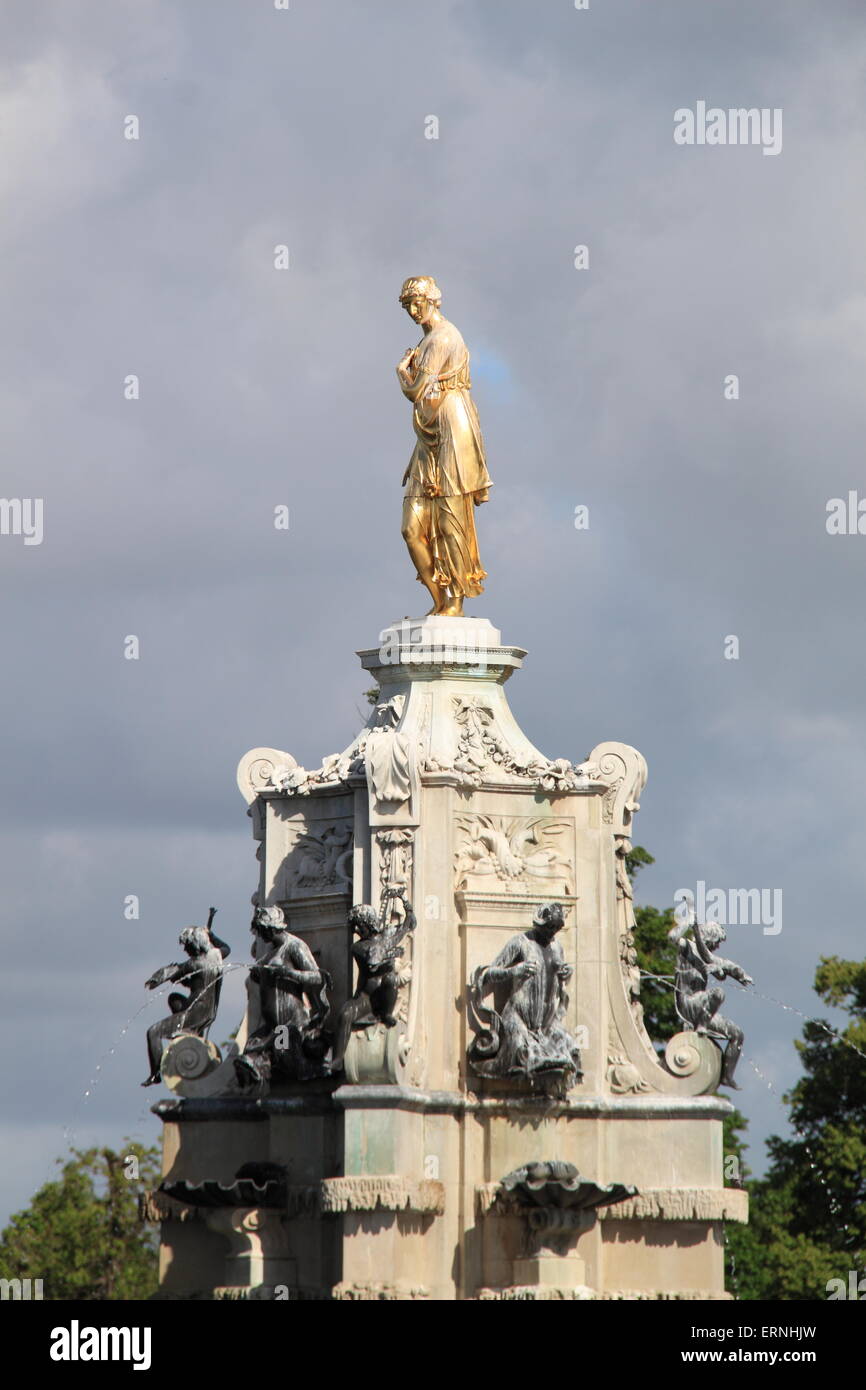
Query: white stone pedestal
point(394, 1168)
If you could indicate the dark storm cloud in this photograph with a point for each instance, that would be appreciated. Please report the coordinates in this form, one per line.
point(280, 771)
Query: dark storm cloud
point(601, 387)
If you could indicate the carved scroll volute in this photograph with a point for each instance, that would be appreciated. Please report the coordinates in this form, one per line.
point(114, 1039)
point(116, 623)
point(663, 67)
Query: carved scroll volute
point(692, 1065)
point(263, 769)
point(625, 771)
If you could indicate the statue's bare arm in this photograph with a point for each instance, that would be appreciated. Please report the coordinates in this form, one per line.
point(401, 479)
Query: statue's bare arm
point(723, 967)
point(298, 965)
point(169, 974)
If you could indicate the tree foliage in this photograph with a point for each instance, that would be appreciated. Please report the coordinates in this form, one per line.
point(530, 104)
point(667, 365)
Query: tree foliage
point(807, 1221)
point(808, 1215)
point(81, 1234)
point(657, 958)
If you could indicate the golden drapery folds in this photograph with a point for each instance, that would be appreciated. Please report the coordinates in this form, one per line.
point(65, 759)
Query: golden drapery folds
point(447, 475)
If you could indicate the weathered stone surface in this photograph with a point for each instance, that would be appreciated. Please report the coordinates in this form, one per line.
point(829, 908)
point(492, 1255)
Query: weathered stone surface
point(382, 1193)
point(681, 1204)
point(394, 1167)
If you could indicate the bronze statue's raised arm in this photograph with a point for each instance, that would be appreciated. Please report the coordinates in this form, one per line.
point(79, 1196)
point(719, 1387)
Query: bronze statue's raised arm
point(704, 951)
point(168, 974)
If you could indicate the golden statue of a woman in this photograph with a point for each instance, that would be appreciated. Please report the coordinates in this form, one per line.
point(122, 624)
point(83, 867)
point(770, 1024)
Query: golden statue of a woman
point(447, 475)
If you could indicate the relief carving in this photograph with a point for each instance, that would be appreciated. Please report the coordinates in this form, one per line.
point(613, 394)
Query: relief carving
point(396, 848)
point(513, 852)
point(320, 861)
point(483, 753)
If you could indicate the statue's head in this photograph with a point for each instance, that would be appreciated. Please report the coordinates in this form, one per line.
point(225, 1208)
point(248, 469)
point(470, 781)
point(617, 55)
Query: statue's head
point(713, 934)
point(269, 920)
point(420, 294)
point(194, 940)
point(364, 920)
point(548, 920)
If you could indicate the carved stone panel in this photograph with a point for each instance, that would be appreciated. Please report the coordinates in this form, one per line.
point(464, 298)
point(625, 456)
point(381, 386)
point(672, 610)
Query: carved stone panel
point(527, 856)
point(319, 861)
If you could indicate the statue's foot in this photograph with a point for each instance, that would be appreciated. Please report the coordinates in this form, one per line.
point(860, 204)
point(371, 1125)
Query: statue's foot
point(246, 1073)
point(151, 1081)
point(389, 1020)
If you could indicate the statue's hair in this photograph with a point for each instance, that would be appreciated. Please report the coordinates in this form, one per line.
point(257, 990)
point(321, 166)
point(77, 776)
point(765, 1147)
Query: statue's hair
point(421, 287)
point(713, 933)
point(363, 915)
point(196, 937)
point(549, 911)
point(271, 916)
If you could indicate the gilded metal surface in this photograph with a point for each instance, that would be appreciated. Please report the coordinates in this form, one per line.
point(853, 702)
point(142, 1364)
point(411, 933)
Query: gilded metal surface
point(447, 476)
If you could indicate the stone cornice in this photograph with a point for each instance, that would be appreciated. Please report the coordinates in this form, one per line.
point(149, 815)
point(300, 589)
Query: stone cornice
point(654, 1204)
point(330, 1197)
point(372, 1097)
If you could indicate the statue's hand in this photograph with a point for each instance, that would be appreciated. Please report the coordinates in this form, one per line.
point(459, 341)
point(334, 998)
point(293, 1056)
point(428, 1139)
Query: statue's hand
point(565, 972)
point(404, 366)
point(525, 970)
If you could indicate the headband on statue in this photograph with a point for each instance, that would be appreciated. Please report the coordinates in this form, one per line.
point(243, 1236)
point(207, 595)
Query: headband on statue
point(420, 287)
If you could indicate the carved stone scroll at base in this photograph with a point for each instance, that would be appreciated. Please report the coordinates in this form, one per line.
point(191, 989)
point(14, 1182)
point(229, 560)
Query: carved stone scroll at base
point(194, 1067)
point(694, 1055)
point(188, 1057)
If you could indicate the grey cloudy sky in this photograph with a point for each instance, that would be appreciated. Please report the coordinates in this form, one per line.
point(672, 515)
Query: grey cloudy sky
point(601, 387)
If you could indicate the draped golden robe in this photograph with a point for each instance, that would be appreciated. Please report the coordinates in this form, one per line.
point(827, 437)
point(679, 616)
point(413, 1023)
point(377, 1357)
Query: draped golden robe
point(447, 475)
